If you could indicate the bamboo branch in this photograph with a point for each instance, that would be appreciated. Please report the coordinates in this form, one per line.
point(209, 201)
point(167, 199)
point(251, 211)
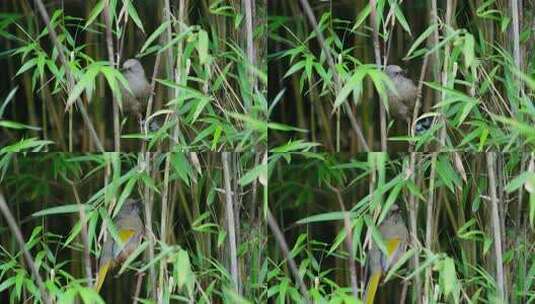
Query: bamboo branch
point(286, 253)
point(18, 235)
point(337, 82)
point(70, 78)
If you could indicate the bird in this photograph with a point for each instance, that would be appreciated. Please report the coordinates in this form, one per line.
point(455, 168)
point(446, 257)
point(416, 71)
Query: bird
point(401, 101)
point(396, 237)
point(130, 230)
point(135, 100)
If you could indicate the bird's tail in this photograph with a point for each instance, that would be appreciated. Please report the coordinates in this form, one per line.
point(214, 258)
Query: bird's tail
point(372, 287)
point(102, 275)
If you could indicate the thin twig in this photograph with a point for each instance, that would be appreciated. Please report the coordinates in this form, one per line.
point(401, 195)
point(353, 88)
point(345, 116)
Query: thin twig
point(138, 287)
point(286, 253)
point(18, 235)
point(229, 210)
point(337, 82)
point(70, 78)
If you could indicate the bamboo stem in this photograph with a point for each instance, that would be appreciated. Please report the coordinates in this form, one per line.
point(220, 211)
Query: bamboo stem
point(377, 53)
point(111, 58)
point(229, 210)
point(413, 213)
point(495, 222)
point(429, 225)
point(349, 244)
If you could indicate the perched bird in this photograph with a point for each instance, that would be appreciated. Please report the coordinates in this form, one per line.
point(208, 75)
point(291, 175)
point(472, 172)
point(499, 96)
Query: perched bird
point(401, 103)
point(135, 102)
point(396, 237)
point(130, 231)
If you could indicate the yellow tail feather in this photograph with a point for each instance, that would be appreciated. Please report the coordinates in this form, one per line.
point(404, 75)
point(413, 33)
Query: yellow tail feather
point(102, 275)
point(372, 287)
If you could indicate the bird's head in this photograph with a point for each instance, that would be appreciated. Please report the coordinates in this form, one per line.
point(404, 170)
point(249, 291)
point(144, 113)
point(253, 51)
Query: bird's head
point(395, 71)
point(395, 213)
point(131, 206)
point(133, 66)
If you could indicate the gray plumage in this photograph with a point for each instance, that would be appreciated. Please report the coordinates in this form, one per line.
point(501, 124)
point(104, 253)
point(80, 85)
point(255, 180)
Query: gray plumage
point(401, 103)
point(136, 101)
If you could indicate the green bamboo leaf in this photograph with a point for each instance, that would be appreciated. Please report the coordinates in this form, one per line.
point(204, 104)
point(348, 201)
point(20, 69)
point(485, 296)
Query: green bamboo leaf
point(154, 35)
point(202, 47)
point(253, 174)
point(361, 18)
point(133, 13)
point(99, 7)
point(72, 208)
point(17, 125)
point(423, 36)
point(400, 17)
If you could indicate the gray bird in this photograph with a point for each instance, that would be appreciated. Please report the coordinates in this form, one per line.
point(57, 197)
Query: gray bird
point(136, 101)
point(401, 103)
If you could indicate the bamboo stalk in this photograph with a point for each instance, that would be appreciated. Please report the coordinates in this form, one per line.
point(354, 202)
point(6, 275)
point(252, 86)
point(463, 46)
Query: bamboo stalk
point(429, 226)
point(163, 223)
point(146, 163)
point(495, 222)
point(349, 244)
point(229, 210)
point(251, 53)
point(111, 58)
point(413, 213)
point(377, 53)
